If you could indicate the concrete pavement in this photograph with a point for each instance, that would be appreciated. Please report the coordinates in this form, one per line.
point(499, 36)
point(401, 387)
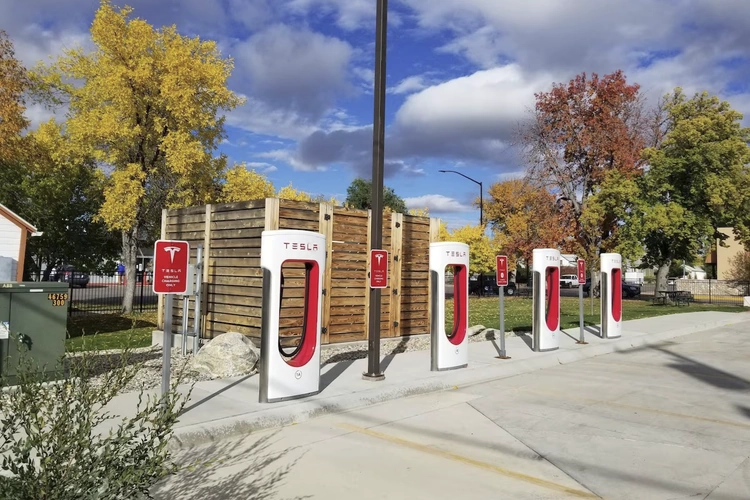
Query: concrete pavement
point(666, 420)
point(222, 408)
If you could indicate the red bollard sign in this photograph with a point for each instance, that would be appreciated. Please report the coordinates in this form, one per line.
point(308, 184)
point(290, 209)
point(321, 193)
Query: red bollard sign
point(502, 270)
point(171, 266)
point(378, 269)
point(581, 272)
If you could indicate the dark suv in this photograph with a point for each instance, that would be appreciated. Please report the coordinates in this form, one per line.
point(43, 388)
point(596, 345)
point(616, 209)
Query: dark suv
point(629, 290)
point(490, 287)
point(69, 275)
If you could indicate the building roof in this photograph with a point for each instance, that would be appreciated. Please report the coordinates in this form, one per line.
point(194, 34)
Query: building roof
point(16, 219)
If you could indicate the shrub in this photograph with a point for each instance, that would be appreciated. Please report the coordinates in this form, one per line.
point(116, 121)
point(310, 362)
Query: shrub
point(58, 439)
point(739, 267)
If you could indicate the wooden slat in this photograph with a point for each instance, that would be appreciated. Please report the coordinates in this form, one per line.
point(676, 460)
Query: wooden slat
point(240, 205)
point(250, 213)
point(272, 214)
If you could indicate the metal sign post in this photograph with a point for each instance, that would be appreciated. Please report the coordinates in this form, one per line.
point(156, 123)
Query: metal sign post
point(581, 281)
point(166, 357)
point(170, 278)
point(198, 299)
point(502, 282)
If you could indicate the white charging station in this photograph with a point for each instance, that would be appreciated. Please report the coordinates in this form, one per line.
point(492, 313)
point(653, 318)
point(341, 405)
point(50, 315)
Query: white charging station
point(611, 303)
point(284, 373)
point(546, 313)
point(449, 346)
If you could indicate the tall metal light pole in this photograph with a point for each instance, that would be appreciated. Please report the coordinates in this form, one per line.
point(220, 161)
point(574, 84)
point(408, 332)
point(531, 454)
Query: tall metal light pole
point(378, 149)
point(481, 215)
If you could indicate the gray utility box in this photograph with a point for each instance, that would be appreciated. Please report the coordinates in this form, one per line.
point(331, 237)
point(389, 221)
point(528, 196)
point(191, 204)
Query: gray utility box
point(37, 314)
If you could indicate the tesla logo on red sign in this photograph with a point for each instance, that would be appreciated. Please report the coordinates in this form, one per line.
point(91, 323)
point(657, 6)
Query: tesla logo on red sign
point(304, 247)
point(502, 270)
point(378, 269)
point(171, 266)
point(581, 272)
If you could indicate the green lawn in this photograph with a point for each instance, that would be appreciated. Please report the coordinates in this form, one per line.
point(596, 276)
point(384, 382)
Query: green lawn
point(485, 311)
point(110, 331)
point(114, 331)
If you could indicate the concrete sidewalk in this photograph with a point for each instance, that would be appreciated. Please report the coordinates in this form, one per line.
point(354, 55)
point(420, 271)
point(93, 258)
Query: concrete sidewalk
point(221, 408)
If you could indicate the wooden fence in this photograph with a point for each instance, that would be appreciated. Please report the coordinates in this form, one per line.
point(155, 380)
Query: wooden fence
point(232, 277)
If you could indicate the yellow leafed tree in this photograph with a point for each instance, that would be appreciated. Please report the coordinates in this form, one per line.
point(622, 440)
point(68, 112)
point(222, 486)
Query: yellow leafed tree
point(244, 185)
point(146, 102)
point(481, 251)
point(290, 193)
point(13, 83)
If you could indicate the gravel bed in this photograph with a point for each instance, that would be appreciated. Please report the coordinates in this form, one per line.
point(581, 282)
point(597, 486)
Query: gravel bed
point(149, 376)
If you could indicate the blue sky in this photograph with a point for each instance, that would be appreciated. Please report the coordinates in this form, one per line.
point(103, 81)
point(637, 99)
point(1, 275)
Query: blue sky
point(461, 76)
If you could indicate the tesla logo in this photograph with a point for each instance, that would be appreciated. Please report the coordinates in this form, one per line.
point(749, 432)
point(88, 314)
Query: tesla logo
point(307, 247)
point(379, 256)
point(454, 253)
point(172, 251)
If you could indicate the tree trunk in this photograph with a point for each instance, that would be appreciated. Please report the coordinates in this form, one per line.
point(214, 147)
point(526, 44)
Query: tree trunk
point(129, 256)
point(661, 278)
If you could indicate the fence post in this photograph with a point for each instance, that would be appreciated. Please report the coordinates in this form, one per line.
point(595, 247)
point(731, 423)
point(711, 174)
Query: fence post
point(325, 225)
point(397, 223)
point(201, 324)
point(709, 292)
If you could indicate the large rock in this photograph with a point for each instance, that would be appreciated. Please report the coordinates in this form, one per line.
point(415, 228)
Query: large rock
point(228, 355)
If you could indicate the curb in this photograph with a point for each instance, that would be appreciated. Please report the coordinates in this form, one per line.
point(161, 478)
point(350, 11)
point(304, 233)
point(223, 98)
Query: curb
point(280, 416)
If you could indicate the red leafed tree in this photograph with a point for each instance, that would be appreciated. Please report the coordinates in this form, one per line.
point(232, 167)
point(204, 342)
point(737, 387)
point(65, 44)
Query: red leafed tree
point(579, 132)
point(525, 217)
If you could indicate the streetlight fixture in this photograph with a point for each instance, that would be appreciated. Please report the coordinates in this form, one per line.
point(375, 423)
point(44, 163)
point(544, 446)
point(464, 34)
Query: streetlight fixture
point(481, 201)
point(481, 215)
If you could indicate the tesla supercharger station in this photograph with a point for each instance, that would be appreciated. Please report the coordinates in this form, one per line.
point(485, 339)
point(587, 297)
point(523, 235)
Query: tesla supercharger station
point(449, 343)
point(291, 372)
point(546, 312)
point(611, 303)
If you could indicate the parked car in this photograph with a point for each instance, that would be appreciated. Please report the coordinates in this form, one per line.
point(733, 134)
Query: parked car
point(69, 275)
point(490, 286)
point(629, 290)
point(568, 281)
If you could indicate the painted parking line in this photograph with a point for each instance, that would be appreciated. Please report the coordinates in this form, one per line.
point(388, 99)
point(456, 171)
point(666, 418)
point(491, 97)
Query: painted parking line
point(470, 461)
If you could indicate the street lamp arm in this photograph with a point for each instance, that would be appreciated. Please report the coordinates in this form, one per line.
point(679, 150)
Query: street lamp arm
point(462, 175)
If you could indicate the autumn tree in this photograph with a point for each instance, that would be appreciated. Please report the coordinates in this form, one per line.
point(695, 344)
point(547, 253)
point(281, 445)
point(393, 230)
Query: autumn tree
point(289, 192)
point(146, 103)
point(13, 85)
point(524, 217)
point(580, 131)
point(61, 193)
point(697, 181)
point(359, 195)
point(242, 184)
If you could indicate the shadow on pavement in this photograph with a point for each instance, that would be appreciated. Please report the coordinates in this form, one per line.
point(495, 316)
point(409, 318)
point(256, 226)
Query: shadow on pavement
point(705, 373)
point(228, 470)
point(217, 393)
point(527, 339)
point(333, 373)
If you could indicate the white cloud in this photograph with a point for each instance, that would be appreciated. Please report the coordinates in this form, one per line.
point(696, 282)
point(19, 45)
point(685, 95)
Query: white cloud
point(408, 85)
point(262, 167)
point(437, 203)
point(350, 14)
point(484, 105)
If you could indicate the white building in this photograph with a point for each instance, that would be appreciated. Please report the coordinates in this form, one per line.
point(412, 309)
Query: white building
point(14, 231)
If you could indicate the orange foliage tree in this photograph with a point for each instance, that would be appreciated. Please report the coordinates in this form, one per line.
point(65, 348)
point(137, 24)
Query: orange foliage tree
point(580, 131)
point(525, 217)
